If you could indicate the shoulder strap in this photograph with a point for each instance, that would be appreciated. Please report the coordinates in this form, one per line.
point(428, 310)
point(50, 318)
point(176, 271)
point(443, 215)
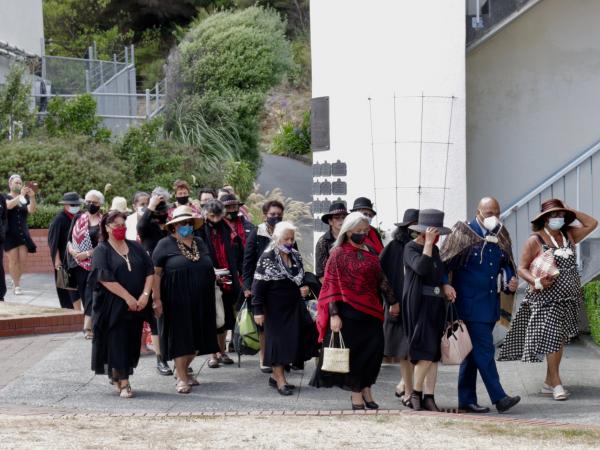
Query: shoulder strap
point(540, 239)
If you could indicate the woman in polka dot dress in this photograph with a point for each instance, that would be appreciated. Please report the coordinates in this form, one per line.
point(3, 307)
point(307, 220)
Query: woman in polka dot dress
point(547, 318)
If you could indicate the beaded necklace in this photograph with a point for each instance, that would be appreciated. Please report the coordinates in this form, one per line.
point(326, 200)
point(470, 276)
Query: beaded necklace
point(190, 253)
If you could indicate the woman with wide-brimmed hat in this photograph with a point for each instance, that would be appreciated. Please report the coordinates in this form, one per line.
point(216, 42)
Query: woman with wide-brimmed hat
point(58, 236)
point(184, 291)
point(548, 316)
point(365, 206)
point(334, 218)
point(423, 302)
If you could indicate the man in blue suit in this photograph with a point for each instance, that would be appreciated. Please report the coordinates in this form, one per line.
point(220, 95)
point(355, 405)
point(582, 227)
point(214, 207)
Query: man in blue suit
point(480, 265)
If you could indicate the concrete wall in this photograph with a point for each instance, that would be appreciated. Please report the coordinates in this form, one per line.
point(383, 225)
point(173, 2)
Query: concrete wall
point(533, 92)
point(22, 24)
point(377, 50)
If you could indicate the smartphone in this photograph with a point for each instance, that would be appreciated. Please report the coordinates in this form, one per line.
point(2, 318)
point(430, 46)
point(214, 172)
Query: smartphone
point(33, 186)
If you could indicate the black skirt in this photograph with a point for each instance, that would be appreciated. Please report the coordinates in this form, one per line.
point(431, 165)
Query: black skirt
point(396, 342)
point(363, 335)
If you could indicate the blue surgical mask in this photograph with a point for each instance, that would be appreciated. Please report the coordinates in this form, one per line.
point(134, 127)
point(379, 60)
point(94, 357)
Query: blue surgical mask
point(73, 209)
point(185, 231)
point(285, 248)
point(556, 223)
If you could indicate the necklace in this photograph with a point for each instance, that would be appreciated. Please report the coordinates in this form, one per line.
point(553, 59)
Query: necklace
point(190, 253)
point(125, 256)
point(564, 251)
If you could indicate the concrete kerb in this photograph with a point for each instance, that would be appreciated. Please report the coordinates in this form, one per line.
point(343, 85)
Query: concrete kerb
point(460, 417)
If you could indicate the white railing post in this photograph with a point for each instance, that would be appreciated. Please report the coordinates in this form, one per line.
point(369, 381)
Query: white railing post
point(147, 103)
point(43, 55)
point(126, 56)
point(132, 53)
point(87, 80)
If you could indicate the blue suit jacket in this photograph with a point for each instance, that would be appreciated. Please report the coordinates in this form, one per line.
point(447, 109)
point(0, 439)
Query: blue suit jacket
point(476, 281)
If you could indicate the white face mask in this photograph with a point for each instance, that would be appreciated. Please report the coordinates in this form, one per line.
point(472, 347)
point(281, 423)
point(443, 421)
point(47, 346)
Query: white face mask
point(140, 210)
point(556, 223)
point(490, 223)
point(73, 209)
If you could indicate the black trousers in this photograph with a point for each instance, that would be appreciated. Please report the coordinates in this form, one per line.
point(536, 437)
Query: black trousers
point(2, 275)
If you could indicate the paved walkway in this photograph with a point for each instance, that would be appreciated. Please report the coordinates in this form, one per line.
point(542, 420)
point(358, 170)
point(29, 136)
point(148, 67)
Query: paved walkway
point(53, 371)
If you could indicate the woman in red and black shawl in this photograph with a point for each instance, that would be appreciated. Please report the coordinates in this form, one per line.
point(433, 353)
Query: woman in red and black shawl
point(350, 303)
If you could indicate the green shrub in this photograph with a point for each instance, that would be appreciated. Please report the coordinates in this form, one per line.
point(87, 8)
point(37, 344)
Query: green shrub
point(592, 307)
point(293, 139)
point(15, 116)
point(75, 116)
point(73, 163)
point(239, 174)
point(43, 215)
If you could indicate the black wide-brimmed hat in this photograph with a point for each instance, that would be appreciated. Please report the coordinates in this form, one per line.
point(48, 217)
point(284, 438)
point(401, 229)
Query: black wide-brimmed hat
point(335, 209)
point(410, 216)
point(363, 203)
point(553, 205)
point(230, 199)
point(430, 218)
point(71, 198)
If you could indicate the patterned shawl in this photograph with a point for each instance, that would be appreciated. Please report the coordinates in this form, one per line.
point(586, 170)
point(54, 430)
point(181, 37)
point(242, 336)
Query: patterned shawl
point(352, 276)
point(459, 243)
point(270, 267)
point(80, 240)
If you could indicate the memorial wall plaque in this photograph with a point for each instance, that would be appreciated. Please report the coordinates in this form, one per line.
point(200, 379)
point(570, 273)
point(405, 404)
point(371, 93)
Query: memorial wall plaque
point(339, 169)
point(319, 124)
point(339, 187)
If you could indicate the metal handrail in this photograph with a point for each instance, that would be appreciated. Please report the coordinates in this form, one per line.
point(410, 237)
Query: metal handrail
point(551, 180)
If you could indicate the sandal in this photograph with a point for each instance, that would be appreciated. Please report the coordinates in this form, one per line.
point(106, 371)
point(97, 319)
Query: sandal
point(406, 402)
point(183, 387)
point(549, 390)
point(213, 363)
point(193, 381)
point(225, 359)
point(559, 393)
point(125, 391)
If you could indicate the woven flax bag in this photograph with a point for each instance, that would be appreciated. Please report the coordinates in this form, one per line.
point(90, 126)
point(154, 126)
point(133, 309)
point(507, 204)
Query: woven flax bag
point(335, 359)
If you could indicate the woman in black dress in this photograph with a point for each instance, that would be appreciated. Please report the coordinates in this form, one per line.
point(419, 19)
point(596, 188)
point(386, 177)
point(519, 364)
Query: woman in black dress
point(396, 343)
point(184, 291)
point(350, 303)
point(423, 303)
point(277, 292)
point(121, 280)
point(84, 236)
point(19, 204)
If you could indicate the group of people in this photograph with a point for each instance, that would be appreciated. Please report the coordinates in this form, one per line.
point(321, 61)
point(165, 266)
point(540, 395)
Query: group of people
point(166, 265)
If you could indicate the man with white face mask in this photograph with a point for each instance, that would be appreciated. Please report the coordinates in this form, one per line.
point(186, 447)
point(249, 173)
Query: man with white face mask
point(479, 260)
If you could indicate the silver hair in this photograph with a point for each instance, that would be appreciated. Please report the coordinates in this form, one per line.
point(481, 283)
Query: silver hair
point(95, 193)
point(161, 192)
point(280, 229)
point(13, 177)
point(351, 221)
point(138, 195)
point(214, 207)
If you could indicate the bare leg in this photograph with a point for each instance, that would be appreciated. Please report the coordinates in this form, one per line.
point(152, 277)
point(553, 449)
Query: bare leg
point(156, 344)
point(87, 323)
point(13, 266)
point(221, 340)
point(421, 369)
point(261, 353)
point(22, 261)
point(279, 376)
point(406, 370)
point(430, 379)
point(367, 394)
point(77, 305)
point(553, 369)
point(357, 398)
point(181, 365)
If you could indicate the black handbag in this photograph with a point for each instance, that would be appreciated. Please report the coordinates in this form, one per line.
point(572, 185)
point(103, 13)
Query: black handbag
point(63, 279)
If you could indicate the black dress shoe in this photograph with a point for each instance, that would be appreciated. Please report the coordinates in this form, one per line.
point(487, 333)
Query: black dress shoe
point(163, 368)
point(370, 405)
point(475, 408)
point(416, 399)
point(358, 407)
point(285, 391)
point(507, 402)
point(273, 383)
point(428, 403)
point(266, 369)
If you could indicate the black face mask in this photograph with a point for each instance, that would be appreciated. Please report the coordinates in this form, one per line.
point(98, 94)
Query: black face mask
point(183, 200)
point(358, 238)
point(232, 215)
point(274, 220)
point(93, 209)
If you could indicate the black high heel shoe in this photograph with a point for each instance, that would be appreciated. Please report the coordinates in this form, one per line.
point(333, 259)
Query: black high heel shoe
point(356, 407)
point(370, 405)
point(415, 399)
point(428, 403)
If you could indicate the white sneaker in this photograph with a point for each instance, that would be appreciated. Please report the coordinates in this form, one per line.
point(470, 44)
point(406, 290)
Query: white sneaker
point(18, 290)
point(549, 390)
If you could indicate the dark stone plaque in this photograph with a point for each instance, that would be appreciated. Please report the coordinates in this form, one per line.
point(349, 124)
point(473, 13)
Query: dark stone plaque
point(319, 124)
point(338, 187)
point(339, 169)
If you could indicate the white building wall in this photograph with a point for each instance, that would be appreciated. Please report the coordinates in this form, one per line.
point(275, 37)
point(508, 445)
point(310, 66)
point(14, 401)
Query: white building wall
point(533, 91)
point(22, 24)
point(378, 50)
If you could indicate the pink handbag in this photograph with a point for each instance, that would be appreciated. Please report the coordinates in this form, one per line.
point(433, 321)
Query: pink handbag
point(456, 342)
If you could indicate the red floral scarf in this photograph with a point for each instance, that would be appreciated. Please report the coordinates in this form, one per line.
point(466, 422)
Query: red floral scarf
point(216, 240)
point(352, 276)
point(237, 228)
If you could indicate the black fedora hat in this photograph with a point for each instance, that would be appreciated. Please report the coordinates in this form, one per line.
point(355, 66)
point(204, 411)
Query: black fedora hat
point(410, 215)
point(363, 203)
point(431, 218)
point(71, 198)
point(334, 209)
